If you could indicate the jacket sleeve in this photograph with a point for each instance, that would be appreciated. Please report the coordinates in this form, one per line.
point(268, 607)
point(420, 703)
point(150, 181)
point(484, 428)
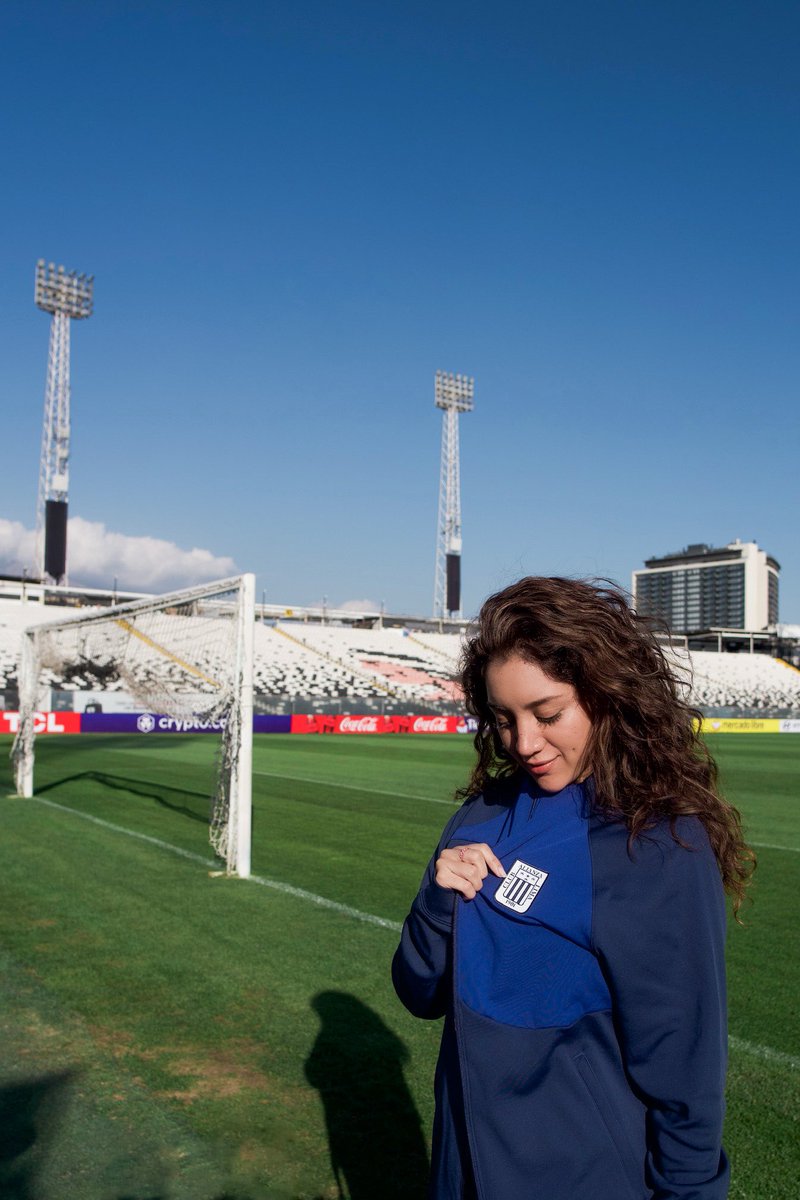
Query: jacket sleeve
point(659, 932)
point(421, 965)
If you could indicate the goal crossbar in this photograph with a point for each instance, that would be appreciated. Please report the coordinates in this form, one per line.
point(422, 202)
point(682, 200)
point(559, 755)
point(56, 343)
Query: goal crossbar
point(148, 604)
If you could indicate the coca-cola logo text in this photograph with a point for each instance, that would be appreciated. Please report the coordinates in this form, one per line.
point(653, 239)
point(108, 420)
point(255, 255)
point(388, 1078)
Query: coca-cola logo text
point(359, 725)
point(430, 725)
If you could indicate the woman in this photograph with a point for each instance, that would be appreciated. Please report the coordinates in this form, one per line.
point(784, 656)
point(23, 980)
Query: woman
point(571, 925)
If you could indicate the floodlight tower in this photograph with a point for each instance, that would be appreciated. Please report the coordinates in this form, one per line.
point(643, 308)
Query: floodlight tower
point(68, 296)
point(453, 394)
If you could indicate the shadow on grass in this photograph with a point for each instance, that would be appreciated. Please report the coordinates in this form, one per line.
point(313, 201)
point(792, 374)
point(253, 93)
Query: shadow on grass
point(194, 805)
point(165, 1196)
point(29, 1116)
point(377, 1147)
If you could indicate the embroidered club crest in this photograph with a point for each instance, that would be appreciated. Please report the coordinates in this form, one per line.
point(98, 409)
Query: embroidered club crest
point(520, 887)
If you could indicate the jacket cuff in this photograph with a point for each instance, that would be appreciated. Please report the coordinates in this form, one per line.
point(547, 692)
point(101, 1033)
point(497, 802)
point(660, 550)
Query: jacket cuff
point(437, 905)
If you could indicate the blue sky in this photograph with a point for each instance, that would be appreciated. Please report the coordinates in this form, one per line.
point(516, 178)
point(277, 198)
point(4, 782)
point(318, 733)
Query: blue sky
point(296, 212)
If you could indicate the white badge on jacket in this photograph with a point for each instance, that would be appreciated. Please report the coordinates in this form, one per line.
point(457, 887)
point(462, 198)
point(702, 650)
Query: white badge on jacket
point(520, 886)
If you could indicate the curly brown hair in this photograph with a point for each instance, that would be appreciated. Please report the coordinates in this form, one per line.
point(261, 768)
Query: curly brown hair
point(645, 753)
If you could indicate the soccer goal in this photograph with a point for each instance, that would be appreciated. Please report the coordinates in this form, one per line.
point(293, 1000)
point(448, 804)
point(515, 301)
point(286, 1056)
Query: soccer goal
point(187, 655)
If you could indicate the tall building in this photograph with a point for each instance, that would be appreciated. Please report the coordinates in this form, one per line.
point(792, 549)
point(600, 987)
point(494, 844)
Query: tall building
point(700, 588)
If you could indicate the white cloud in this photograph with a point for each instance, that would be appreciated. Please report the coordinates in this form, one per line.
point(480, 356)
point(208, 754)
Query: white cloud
point(356, 606)
point(17, 550)
point(95, 556)
point(359, 606)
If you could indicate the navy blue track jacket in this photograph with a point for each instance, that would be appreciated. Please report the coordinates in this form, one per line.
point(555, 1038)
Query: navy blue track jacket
point(584, 1047)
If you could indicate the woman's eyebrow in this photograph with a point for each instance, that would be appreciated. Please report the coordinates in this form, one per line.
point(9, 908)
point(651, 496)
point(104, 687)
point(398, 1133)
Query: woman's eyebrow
point(533, 703)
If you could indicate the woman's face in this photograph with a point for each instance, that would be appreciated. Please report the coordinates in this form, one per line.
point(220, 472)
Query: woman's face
point(539, 721)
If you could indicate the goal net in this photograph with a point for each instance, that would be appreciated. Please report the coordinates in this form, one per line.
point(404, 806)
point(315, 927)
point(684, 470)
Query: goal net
point(187, 655)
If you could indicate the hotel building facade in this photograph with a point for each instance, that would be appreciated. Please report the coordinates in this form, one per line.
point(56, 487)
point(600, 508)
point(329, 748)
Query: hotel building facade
point(732, 587)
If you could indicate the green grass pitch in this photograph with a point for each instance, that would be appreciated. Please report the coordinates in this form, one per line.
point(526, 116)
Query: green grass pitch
point(171, 1035)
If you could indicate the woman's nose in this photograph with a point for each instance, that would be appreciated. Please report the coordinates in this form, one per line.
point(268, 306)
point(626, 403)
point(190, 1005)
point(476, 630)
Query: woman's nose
point(530, 738)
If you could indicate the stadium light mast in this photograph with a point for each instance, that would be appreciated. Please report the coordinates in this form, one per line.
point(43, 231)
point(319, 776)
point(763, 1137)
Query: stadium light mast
point(454, 395)
point(68, 296)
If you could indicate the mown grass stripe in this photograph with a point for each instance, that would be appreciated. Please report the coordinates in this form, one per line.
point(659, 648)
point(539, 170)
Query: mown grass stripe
point(330, 783)
point(211, 864)
point(351, 787)
point(142, 837)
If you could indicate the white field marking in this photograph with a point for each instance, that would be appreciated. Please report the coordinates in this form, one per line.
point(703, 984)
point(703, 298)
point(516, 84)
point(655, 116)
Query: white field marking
point(276, 885)
point(352, 787)
point(345, 909)
point(772, 846)
point(766, 1053)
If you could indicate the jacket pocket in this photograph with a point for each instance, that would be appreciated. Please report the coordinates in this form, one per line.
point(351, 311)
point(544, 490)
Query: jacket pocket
point(609, 1116)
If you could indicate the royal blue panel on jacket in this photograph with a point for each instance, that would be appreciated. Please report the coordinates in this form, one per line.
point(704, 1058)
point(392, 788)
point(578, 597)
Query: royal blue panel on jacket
point(525, 959)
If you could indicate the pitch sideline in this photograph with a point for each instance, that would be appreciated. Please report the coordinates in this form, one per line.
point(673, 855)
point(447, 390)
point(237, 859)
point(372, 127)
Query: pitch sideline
point(211, 864)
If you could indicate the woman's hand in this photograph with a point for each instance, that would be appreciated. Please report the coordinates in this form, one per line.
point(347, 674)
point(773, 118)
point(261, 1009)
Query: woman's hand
point(465, 868)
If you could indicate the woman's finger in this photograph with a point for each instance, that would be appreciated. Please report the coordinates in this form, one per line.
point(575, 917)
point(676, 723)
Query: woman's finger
point(485, 855)
point(452, 882)
point(458, 874)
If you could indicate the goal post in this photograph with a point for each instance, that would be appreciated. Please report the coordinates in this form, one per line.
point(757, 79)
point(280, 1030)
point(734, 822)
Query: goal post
point(186, 655)
point(231, 821)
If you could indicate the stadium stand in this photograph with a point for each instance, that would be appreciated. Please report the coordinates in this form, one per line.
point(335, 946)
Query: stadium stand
point(382, 661)
point(315, 667)
point(14, 617)
point(742, 682)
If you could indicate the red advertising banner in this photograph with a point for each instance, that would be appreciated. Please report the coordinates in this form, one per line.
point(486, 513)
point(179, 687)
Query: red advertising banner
point(327, 723)
point(73, 722)
point(43, 722)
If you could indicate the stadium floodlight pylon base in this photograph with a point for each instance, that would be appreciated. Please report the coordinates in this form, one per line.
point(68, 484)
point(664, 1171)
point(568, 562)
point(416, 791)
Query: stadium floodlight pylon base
point(187, 655)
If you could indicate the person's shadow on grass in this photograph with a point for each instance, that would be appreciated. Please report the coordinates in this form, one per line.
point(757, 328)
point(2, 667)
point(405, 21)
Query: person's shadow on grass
point(30, 1110)
point(30, 1114)
point(376, 1142)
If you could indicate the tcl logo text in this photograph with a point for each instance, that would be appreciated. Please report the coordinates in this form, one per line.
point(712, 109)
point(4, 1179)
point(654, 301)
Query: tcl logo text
point(43, 722)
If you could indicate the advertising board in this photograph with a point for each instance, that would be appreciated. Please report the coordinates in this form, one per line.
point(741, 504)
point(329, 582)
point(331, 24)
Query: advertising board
point(158, 723)
point(43, 722)
point(132, 722)
point(372, 723)
point(741, 725)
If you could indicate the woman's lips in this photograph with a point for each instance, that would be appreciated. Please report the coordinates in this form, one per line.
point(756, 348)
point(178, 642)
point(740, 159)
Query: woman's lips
point(540, 768)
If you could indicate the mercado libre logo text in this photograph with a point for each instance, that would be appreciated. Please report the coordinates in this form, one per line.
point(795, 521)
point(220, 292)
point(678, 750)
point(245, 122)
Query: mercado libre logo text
point(520, 887)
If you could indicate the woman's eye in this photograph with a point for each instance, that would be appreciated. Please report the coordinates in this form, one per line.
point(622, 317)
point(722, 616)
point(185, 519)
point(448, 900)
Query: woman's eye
point(549, 720)
point(499, 723)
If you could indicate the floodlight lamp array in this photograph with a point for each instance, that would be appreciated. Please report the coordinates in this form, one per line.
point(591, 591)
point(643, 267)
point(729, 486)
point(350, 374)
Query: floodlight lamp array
point(60, 291)
point(454, 391)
